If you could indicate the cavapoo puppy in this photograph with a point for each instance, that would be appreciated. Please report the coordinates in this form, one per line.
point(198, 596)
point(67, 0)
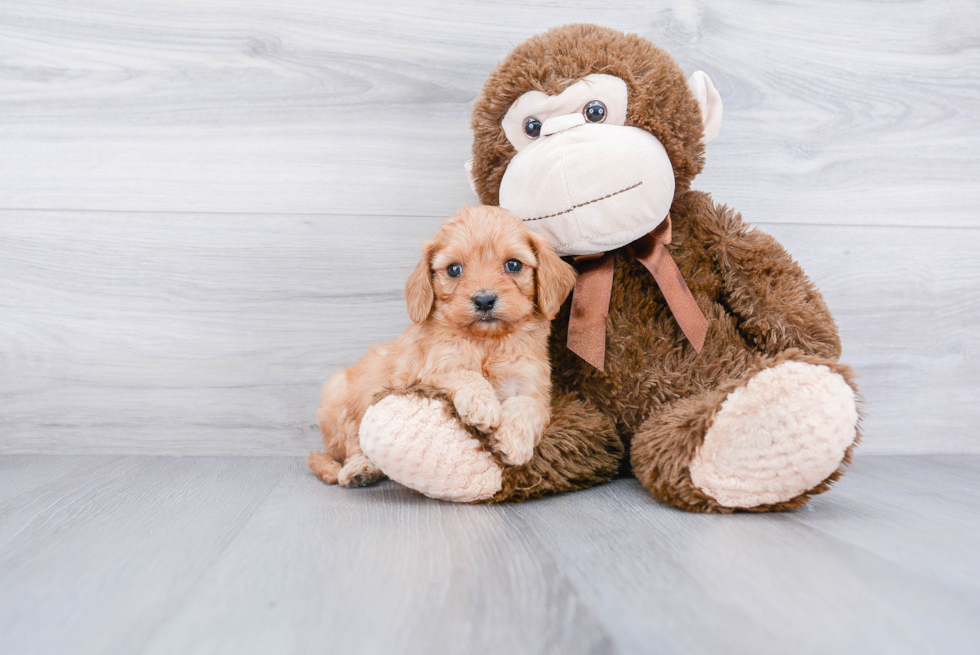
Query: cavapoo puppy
point(481, 301)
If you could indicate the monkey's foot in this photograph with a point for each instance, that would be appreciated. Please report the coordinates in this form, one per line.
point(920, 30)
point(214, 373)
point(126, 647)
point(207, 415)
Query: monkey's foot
point(782, 434)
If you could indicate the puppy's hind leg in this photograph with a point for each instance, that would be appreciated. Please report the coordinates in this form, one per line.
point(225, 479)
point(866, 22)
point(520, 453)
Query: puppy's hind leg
point(339, 417)
point(324, 466)
point(358, 471)
point(327, 464)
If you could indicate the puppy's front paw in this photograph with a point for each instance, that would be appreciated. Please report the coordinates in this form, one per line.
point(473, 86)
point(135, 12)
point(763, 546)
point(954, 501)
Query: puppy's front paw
point(521, 425)
point(514, 442)
point(478, 406)
point(359, 472)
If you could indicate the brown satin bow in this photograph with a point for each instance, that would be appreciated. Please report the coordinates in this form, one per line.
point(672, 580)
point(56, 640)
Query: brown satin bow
point(593, 289)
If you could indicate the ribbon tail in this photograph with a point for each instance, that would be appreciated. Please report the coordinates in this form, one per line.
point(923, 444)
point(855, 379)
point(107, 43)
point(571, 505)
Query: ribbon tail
point(590, 306)
point(678, 296)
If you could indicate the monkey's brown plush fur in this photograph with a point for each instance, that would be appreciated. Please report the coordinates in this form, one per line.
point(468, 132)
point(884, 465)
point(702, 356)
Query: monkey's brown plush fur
point(657, 397)
point(762, 309)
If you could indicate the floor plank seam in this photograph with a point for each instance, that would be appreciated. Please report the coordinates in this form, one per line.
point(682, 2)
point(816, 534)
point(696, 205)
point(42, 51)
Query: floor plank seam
point(199, 579)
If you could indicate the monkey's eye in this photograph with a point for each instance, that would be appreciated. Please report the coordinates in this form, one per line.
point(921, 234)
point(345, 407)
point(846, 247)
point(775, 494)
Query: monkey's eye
point(595, 112)
point(454, 270)
point(532, 127)
point(513, 266)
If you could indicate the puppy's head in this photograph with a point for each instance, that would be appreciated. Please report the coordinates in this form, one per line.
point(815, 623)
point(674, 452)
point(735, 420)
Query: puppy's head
point(485, 273)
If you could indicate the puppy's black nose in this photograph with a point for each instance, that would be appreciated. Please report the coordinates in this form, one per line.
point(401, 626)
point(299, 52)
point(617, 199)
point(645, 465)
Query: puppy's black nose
point(484, 301)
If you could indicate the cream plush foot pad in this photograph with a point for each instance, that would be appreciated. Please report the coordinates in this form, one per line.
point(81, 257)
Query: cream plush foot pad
point(783, 433)
point(417, 444)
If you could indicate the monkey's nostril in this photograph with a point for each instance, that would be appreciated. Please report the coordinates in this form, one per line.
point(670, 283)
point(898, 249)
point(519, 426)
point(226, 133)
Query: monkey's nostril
point(484, 301)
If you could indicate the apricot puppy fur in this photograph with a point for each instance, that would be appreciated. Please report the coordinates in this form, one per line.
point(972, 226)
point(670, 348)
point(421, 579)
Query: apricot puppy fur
point(481, 301)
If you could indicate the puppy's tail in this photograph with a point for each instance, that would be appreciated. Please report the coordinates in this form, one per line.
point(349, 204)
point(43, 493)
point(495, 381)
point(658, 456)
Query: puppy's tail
point(324, 466)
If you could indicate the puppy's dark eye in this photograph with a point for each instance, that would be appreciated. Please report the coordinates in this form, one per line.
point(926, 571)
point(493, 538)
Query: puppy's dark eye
point(454, 270)
point(595, 112)
point(513, 266)
point(532, 127)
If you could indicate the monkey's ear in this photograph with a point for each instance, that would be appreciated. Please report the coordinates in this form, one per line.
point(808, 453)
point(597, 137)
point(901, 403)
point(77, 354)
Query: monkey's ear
point(418, 288)
point(555, 278)
point(709, 101)
point(469, 175)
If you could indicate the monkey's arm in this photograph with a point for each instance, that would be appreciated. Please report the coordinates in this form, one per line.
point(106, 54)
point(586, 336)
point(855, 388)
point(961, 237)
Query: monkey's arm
point(777, 305)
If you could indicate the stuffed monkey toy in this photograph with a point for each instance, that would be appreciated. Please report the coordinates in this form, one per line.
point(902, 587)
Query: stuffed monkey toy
point(694, 352)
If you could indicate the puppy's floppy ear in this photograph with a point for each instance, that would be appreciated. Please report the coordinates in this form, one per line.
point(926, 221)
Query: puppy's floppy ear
point(418, 288)
point(555, 278)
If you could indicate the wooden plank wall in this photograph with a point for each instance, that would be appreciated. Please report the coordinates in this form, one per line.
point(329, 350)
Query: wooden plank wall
point(206, 208)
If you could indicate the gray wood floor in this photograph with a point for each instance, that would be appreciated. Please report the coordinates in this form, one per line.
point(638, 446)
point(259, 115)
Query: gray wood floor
point(157, 554)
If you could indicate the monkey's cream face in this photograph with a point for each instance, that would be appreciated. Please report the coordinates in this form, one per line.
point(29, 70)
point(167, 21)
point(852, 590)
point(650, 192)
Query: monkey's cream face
point(581, 177)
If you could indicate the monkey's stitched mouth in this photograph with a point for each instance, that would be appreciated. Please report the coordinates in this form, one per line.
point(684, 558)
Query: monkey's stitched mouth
point(583, 204)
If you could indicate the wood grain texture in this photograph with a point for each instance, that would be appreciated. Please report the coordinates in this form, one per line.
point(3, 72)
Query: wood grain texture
point(206, 210)
point(771, 583)
point(380, 572)
point(95, 560)
point(842, 112)
point(255, 555)
point(936, 498)
point(142, 333)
